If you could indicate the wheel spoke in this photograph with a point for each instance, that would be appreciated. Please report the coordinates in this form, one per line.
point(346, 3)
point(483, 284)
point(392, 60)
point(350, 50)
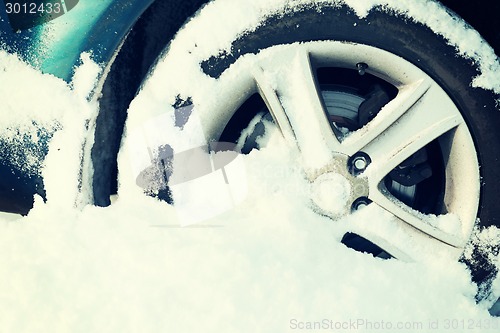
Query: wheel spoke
point(273, 103)
point(417, 116)
point(396, 237)
point(407, 97)
point(422, 116)
point(446, 229)
point(289, 89)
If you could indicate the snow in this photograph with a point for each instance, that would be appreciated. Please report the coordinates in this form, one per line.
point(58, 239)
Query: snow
point(29, 113)
point(330, 192)
point(270, 264)
point(246, 15)
point(84, 79)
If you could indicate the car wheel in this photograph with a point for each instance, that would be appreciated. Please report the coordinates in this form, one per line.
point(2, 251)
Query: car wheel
point(380, 103)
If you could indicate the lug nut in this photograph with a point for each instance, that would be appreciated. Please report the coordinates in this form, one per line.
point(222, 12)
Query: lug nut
point(360, 163)
point(360, 203)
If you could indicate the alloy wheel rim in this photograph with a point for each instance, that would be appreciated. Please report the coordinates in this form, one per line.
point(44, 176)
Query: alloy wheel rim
point(421, 113)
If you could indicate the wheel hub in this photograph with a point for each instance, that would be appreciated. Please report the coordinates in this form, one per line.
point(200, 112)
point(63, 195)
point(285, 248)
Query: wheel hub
point(330, 192)
point(336, 190)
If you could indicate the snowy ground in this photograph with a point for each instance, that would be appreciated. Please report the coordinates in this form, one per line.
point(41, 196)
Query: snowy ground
point(269, 265)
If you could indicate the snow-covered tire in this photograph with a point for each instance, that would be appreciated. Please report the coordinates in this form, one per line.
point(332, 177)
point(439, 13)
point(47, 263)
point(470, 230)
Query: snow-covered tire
point(402, 35)
point(391, 38)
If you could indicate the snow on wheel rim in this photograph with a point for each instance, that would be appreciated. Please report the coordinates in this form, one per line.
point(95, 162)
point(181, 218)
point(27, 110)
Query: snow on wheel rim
point(283, 76)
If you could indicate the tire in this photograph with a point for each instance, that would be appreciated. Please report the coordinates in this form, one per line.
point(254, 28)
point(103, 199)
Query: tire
point(420, 45)
point(155, 28)
point(382, 34)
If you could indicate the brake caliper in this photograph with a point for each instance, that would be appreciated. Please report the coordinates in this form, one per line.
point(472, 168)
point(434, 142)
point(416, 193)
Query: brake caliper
point(413, 170)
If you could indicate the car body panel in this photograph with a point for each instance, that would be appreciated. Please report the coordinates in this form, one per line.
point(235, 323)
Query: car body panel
point(91, 26)
point(97, 27)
